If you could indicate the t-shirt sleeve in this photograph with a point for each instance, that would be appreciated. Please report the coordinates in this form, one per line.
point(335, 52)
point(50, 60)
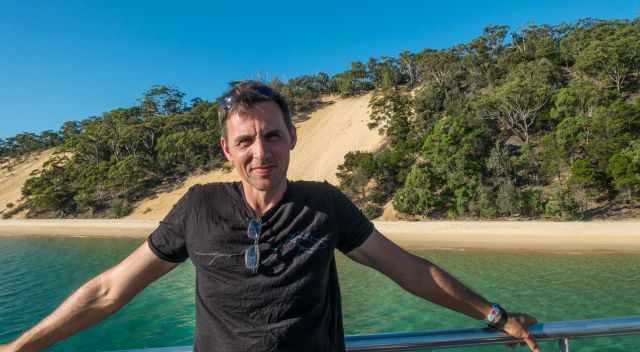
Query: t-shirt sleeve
point(353, 226)
point(168, 240)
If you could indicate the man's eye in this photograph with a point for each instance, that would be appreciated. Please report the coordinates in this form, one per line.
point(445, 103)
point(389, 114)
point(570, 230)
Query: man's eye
point(273, 137)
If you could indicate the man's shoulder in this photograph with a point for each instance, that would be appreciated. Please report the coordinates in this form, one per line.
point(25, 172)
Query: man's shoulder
point(214, 186)
point(312, 186)
point(204, 191)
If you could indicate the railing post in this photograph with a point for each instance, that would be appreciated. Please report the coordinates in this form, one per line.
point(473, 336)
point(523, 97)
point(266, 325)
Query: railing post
point(564, 345)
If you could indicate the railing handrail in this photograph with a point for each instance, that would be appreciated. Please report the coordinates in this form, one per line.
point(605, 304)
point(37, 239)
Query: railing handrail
point(476, 337)
point(407, 341)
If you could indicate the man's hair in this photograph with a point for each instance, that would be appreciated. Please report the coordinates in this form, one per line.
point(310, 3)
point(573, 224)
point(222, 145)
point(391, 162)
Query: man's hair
point(243, 95)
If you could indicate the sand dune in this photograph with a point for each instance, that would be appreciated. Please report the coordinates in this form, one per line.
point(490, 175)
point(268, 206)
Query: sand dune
point(11, 182)
point(323, 140)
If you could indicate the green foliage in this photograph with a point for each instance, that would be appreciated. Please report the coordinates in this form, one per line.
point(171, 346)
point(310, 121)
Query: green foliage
point(532, 203)
point(518, 102)
point(507, 198)
point(392, 114)
point(355, 174)
point(162, 100)
point(184, 151)
point(516, 128)
point(562, 205)
point(354, 81)
point(120, 208)
point(50, 189)
point(614, 59)
point(446, 182)
point(370, 179)
point(420, 193)
point(386, 73)
point(484, 203)
point(24, 143)
point(579, 97)
point(533, 43)
point(303, 93)
point(118, 157)
point(482, 55)
point(624, 169)
point(586, 175)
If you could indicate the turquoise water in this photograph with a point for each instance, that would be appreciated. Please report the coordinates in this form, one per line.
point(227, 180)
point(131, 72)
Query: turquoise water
point(37, 274)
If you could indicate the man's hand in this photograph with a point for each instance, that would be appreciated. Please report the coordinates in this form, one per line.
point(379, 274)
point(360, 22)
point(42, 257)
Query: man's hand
point(517, 325)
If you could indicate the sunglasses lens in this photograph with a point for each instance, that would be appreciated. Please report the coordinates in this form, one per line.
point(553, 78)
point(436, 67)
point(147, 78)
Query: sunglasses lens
point(252, 258)
point(254, 229)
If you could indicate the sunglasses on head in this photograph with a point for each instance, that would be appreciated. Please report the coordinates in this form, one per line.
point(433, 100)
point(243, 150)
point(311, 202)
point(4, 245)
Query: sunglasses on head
point(228, 101)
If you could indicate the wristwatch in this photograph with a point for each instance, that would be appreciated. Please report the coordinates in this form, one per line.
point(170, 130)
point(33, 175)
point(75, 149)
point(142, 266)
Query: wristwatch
point(497, 317)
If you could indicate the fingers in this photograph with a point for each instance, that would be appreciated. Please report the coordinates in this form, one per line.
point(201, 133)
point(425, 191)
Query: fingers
point(519, 330)
point(531, 342)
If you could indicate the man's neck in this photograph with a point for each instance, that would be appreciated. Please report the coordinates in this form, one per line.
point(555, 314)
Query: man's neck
point(262, 201)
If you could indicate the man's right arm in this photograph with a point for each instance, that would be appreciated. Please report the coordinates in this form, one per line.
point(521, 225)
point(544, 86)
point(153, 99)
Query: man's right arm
point(95, 300)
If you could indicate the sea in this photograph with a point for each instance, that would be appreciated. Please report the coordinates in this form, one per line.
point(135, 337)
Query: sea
point(38, 273)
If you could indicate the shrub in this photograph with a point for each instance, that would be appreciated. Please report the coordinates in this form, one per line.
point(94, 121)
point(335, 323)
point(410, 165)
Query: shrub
point(562, 205)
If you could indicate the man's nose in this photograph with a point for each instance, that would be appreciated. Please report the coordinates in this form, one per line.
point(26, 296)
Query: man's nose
point(261, 150)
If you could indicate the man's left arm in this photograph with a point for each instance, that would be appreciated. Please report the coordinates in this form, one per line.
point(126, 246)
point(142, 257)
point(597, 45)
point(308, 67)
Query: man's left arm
point(427, 280)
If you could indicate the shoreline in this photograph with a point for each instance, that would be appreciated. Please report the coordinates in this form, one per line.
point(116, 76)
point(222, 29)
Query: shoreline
point(565, 237)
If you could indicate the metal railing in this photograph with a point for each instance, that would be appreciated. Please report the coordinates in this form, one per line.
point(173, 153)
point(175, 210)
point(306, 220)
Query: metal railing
point(561, 331)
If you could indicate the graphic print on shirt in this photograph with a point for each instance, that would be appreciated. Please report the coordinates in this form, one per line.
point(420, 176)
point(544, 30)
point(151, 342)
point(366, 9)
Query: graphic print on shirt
point(294, 245)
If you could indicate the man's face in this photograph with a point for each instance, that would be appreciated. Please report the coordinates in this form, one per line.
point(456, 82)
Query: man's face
point(258, 144)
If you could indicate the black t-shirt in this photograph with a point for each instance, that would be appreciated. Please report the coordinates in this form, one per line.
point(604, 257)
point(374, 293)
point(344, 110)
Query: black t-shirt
point(293, 302)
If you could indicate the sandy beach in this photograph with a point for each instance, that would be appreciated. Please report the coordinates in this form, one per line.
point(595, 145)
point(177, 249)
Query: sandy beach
point(566, 237)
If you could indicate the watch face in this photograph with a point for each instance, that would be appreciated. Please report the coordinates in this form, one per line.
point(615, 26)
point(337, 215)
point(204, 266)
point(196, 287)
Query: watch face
point(494, 315)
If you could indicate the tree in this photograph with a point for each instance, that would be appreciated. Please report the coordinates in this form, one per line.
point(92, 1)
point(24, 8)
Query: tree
point(163, 100)
point(183, 151)
point(624, 169)
point(482, 54)
point(386, 73)
point(392, 113)
point(586, 181)
point(533, 43)
point(421, 193)
point(440, 67)
point(354, 81)
point(517, 103)
point(355, 174)
point(580, 97)
point(614, 59)
point(409, 66)
point(50, 188)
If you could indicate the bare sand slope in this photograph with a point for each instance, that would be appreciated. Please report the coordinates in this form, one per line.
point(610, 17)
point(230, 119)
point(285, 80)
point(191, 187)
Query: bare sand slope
point(323, 140)
point(11, 182)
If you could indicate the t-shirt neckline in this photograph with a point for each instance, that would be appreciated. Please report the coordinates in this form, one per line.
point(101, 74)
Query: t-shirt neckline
point(269, 213)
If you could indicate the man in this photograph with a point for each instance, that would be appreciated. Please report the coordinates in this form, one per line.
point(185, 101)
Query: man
point(264, 252)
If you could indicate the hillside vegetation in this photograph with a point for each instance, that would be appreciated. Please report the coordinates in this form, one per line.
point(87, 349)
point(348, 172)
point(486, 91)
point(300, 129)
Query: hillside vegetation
point(539, 122)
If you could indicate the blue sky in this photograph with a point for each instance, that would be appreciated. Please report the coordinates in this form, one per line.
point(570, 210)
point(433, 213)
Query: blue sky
point(68, 60)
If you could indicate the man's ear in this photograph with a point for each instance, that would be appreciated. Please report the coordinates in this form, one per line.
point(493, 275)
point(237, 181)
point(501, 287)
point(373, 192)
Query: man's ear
point(225, 148)
point(294, 136)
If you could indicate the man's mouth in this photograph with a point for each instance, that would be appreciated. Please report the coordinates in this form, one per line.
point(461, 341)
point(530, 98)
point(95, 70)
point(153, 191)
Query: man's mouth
point(263, 169)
